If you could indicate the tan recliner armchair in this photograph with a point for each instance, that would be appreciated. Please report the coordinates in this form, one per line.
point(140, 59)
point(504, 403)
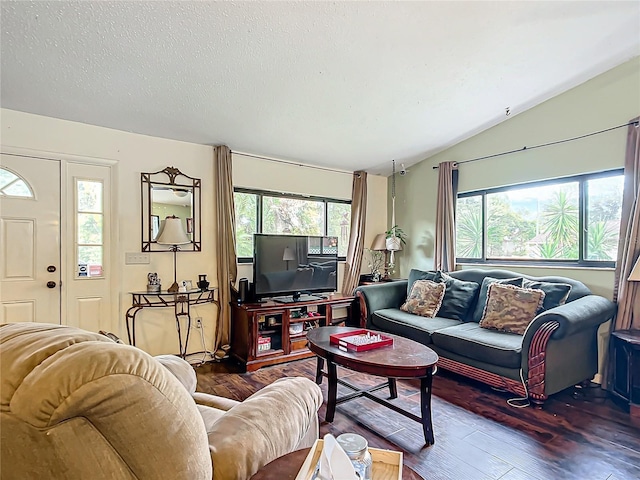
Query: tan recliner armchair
point(76, 405)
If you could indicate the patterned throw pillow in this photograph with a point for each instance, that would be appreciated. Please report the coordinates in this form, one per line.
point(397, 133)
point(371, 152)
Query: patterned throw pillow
point(484, 289)
point(425, 298)
point(510, 308)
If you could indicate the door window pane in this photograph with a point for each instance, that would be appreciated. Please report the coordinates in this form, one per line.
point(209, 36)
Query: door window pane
point(89, 228)
point(246, 208)
point(89, 196)
point(604, 208)
point(13, 186)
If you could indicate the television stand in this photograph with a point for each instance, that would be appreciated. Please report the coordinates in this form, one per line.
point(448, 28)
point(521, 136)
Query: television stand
point(275, 332)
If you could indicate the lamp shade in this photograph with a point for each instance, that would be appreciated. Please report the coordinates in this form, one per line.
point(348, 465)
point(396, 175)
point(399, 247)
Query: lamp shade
point(380, 242)
point(288, 254)
point(172, 233)
point(634, 276)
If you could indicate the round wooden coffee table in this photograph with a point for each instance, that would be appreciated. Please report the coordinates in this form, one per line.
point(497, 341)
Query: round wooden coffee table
point(288, 466)
point(404, 359)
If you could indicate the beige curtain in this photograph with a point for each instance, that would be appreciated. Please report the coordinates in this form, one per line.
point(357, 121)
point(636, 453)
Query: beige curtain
point(626, 293)
point(356, 236)
point(445, 241)
point(225, 221)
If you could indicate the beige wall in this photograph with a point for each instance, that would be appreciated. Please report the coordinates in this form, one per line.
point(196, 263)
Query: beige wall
point(133, 154)
point(610, 99)
point(249, 172)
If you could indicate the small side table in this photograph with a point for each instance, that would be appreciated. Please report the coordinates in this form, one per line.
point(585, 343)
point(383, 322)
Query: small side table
point(626, 369)
point(287, 467)
point(181, 303)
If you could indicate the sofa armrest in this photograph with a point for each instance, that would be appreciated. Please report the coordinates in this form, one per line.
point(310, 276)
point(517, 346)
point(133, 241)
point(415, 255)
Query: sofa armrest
point(377, 297)
point(267, 425)
point(573, 317)
point(213, 401)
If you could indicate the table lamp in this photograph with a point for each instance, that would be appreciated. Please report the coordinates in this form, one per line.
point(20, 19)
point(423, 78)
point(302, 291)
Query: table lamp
point(380, 244)
point(172, 233)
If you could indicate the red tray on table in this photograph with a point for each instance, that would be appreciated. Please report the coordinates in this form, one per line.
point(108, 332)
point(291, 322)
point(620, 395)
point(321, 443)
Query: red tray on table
point(360, 340)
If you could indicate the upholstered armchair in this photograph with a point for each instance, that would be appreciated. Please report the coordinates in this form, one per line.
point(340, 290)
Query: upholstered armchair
point(75, 404)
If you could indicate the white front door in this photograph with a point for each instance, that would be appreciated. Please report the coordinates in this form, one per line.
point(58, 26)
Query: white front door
point(29, 240)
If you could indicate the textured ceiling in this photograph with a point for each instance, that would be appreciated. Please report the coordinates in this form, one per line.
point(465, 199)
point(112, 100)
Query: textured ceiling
point(347, 85)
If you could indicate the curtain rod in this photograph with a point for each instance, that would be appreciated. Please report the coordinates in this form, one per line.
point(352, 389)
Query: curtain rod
point(293, 163)
point(636, 122)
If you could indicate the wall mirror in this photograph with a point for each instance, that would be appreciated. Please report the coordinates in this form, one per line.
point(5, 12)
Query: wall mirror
point(166, 193)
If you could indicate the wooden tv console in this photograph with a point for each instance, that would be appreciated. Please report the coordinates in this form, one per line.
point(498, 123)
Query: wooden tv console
point(270, 333)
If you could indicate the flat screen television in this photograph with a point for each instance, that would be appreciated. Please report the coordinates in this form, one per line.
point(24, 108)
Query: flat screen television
point(292, 268)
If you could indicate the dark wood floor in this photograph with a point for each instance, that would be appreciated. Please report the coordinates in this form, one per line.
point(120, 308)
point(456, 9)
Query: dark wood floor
point(580, 434)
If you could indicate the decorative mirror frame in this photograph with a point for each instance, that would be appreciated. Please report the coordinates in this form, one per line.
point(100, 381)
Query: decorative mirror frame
point(170, 177)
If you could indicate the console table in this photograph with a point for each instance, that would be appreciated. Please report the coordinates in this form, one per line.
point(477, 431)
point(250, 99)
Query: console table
point(181, 303)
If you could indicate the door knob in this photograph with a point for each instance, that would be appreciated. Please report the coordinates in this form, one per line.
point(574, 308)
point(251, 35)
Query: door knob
point(51, 268)
point(51, 284)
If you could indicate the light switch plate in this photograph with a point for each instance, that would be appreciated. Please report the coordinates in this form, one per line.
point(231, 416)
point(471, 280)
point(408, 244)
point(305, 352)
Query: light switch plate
point(136, 258)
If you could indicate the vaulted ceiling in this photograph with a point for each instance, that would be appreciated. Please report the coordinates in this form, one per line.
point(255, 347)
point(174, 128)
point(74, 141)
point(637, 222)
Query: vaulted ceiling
point(349, 85)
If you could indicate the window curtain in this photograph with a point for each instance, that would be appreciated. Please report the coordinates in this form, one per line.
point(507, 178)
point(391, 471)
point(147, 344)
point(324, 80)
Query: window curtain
point(225, 221)
point(625, 292)
point(445, 241)
point(356, 237)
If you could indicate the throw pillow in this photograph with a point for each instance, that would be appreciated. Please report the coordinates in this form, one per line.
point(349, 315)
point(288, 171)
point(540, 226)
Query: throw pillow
point(458, 297)
point(484, 288)
point(554, 293)
point(425, 298)
point(511, 309)
point(415, 274)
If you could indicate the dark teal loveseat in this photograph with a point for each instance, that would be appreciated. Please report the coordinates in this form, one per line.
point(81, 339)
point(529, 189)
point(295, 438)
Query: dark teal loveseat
point(558, 350)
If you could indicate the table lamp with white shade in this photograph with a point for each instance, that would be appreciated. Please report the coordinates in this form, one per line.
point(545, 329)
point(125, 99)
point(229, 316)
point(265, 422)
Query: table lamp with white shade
point(172, 233)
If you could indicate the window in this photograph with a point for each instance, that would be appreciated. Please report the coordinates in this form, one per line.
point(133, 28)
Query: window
point(268, 212)
point(541, 222)
point(11, 185)
point(89, 228)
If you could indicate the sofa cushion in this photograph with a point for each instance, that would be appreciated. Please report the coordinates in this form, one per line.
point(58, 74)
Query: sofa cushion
point(472, 341)
point(555, 294)
point(394, 320)
point(425, 298)
point(511, 309)
point(458, 297)
point(484, 288)
point(416, 274)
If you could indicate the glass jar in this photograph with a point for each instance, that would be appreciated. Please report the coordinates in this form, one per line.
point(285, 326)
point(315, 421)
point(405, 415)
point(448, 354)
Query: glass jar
point(357, 449)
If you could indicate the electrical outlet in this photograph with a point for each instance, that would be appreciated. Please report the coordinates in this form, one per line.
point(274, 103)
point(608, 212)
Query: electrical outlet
point(198, 322)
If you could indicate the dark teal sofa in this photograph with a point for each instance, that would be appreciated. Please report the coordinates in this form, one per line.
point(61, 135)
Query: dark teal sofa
point(558, 350)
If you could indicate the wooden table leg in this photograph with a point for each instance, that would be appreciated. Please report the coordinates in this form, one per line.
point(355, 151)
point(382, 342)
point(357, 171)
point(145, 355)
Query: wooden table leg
point(393, 388)
point(425, 408)
point(319, 367)
point(332, 374)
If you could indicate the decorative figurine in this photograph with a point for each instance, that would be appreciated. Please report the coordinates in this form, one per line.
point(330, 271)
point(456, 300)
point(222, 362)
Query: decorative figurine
point(154, 283)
